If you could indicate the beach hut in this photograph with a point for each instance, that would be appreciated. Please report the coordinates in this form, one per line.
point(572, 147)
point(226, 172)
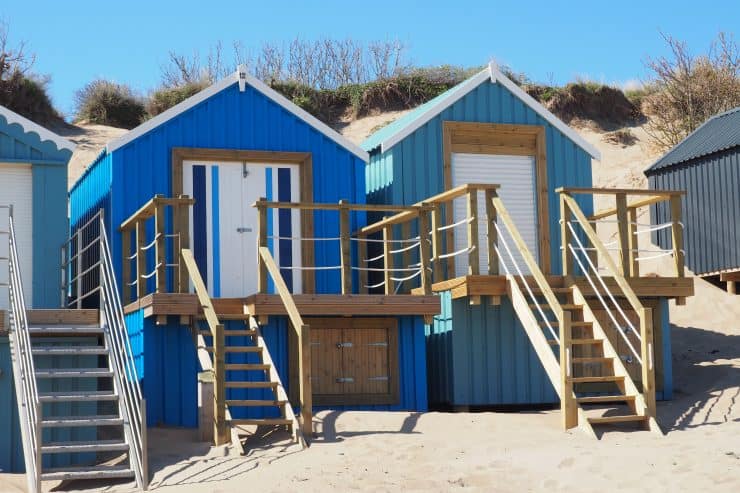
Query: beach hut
point(706, 164)
point(188, 180)
point(486, 159)
point(33, 188)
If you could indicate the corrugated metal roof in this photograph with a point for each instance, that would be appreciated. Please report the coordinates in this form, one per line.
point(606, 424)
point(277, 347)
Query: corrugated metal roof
point(719, 133)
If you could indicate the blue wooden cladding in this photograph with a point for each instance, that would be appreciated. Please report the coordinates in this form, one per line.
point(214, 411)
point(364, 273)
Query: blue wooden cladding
point(11, 446)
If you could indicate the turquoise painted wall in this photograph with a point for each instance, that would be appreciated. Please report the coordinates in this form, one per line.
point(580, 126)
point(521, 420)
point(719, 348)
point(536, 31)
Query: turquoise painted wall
point(11, 446)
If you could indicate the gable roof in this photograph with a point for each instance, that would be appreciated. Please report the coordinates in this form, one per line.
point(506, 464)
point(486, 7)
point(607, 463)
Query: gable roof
point(392, 134)
point(29, 126)
point(719, 133)
point(242, 78)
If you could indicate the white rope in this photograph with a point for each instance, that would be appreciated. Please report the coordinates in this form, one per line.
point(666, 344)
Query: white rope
point(502, 237)
point(156, 237)
point(152, 273)
point(467, 220)
point(665, 253)
point(402, 279)
point(380, 269)
point(369, 260)
point(654, 228)
point(454, 254)
point(373, 240)
point(300, 238)
point(300, 267)
point(608, 311)
point(375, 285)
point(405, 249)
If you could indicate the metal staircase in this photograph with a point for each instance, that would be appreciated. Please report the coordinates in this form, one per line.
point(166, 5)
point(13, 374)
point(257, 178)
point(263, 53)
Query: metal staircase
point(80, 406)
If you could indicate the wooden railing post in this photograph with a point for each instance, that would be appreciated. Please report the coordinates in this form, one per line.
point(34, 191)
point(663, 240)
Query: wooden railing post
point(677, 234)
point(424, 250)
point(126, 266)
point(632, 243)
point(437, 242)
point(140, 259)
point(387, 258)
point(160, 253)
point(261, 242)
point(568, 406)
point(406, 234)
point(182, 218)
point(647, 354)
point(304, 372)
point(492, 233)
point(623, 233)
point(219, 392)
point(474, 251)
point(361, 262)
point(345, 246)
point(566, 236)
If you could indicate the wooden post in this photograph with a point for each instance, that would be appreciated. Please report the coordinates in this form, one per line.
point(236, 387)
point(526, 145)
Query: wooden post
point(160, 251)
point(677, 234)
point(126, 266)
point(647, 354)
point(183, 232)
point(437, 242)
point(568, 407)
point(424, 250)
point(406, 234)
point(221, 432)
point(492, 233)
point(140, 258)
point(623, 233)
point(305, 392)
point(474, 253)
point(345, 247)
point(632, 243)
point(206, 398)
point(261, 242)
point(566, 236)
point(450, 238)
point(361, 258)
point(387, 258)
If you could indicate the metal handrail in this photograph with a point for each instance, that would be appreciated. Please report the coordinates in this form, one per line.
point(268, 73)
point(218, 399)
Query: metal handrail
point(27, 397)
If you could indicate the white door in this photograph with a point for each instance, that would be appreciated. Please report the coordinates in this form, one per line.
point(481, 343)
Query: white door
point(16, 187)
point(516, 175)
point(223, 223)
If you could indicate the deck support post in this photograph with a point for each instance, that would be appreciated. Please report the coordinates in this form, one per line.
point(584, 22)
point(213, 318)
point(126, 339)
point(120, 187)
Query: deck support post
point(221, 432)
point(345, 247)
point(424, 252)
point(568, 407)
point(261, 242)
point(473, 250)
point(677, 234)
point(304, 372)
point(623, 234)
point(647, 354)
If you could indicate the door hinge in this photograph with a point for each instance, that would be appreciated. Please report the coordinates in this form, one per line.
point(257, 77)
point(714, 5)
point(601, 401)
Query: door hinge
point(380, 344)
point(345, 380)
point(245, 171)
point(341, 345)
point(378, 379)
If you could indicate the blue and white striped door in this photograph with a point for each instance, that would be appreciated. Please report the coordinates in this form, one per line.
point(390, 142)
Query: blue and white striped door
point(223, 223)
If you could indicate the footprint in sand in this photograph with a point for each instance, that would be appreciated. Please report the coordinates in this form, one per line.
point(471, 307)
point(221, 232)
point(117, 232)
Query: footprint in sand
point(566, 463)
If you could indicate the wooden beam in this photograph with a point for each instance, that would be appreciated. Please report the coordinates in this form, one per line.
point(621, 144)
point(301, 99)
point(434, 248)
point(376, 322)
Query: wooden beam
point(568, 404)
point(140, 259)
point(647, 354)
point(473, 239)
point(126, 287)
point(677, 235)
point(633, 205)
point(424, 251)
point(492, 234)
point(345, 247)
point(361, 260)
point(612, 191)
point(632, 244)
point(160, 252)
point(388, 263)
point(566, 238)
point(623, 234)
point(437, 242)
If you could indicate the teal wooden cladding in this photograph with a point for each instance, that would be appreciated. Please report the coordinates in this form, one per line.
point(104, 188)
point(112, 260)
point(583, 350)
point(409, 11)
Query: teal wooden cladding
point(11, 446)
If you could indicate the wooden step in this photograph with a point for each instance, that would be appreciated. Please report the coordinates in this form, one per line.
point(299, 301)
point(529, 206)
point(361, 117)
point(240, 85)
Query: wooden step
point(89, 472)
point(230, 333)
point(603, 420)
point(586, 342)
point(81, 421)
point(247, 367)
point(78, 396)
point(573, 323)
point(255, 403)
point(605, 378)
point(566, 306)
point(262, 421)
point(251, 385)
point(239, 349)
point(605, 399)
point(592, 359)
point(94, 446)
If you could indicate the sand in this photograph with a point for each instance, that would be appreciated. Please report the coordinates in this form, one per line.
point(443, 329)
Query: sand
point(506, 452)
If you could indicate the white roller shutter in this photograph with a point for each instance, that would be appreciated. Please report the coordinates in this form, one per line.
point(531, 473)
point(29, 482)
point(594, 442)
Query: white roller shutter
point(16, 188)
point(516, 175)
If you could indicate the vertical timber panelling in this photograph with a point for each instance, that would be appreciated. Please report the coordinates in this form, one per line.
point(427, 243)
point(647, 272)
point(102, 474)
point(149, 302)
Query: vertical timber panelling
point(439, 353)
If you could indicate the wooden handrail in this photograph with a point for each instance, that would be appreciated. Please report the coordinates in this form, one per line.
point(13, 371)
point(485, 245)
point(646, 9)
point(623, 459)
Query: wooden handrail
point(612, 191)
point(147, 210)
point(221, 434)
point(303, 332)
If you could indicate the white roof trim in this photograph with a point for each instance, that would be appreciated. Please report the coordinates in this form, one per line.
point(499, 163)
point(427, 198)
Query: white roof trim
point(223, 84)
point(43, 133)
point(494, 75)
point(461, 91)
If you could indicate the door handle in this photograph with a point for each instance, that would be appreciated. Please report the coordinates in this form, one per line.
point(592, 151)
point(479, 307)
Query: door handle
point(243, 230)
point(340, 345)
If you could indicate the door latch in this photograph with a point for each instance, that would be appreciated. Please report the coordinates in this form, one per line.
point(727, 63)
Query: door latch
point(243, 230)
point(341, 345)
point(345, 380)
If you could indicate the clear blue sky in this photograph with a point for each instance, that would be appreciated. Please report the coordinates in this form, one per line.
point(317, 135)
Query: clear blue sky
point(128, 40)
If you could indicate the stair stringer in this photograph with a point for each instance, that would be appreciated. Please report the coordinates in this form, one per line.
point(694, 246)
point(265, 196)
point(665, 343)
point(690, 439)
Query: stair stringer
point(542, 346)
point(619, 369)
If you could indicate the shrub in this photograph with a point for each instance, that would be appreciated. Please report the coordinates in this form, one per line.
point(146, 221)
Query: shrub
point(27, 96)
point(109, 103)
point(165, 98)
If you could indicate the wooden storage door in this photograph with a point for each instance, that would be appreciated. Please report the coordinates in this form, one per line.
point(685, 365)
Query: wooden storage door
point(326, 367)
point(365, 361)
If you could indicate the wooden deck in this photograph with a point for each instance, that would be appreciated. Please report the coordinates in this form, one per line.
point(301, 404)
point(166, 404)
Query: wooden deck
point(163, 304)
point(644, 287)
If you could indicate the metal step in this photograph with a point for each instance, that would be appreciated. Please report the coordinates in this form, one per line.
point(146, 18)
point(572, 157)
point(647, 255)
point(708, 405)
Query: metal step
point(605, 399)
point(607, 378)
point(81, 421)
point(251, 385)
point(255, 403)
point(91, 472)
point(78, 396)
point(263, 421)
point(75, 373)
point(95, 446)
point(247, 367)
point(68, 350)
point(603, 420)
point(54, 331)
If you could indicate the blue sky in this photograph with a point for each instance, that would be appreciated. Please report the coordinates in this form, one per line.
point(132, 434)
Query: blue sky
point(128, 41)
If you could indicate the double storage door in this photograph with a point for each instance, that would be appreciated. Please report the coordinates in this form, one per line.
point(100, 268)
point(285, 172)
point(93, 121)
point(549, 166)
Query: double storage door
point(354, 361)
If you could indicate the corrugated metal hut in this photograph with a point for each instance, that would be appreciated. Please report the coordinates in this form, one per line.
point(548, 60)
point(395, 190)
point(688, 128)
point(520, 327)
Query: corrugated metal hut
point(33, 180)
point(226, 147)
point(484, 130)
point(707, 165)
